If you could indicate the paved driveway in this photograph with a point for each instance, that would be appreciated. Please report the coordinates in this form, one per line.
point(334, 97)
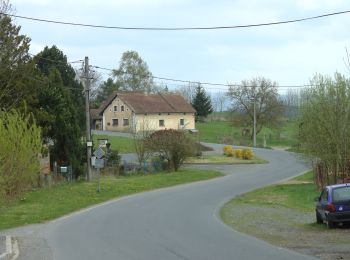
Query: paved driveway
point(181, 222)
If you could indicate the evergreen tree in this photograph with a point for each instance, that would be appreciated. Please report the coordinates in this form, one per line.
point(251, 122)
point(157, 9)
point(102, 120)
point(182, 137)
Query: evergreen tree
point(62, 100)
point(104, 90)
point(201, 103)
point(16, 69)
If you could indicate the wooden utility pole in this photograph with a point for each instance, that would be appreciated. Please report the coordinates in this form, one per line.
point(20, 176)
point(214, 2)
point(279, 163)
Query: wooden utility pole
point(87, 113)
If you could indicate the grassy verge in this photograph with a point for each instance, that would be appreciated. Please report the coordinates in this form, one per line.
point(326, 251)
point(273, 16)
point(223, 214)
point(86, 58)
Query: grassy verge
point(284, 215)
point(225, 132)
point(297, 194)
point(119, 143)
point(220, 159)
point(45, 204)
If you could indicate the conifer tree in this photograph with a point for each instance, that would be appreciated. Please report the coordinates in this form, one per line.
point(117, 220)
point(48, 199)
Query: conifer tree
point(201, 103)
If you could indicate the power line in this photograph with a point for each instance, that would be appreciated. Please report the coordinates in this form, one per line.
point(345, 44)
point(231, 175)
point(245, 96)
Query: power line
point(177, 28)
point(56, 61)
point(174, 79)
point(197, 82)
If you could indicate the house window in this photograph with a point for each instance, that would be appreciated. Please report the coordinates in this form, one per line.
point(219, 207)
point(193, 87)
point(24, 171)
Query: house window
point(114, 121)
point(125, 121)
point(182, 121)
point(108, 123)
point(115, 108)
point(161, 122)
point(122, 108)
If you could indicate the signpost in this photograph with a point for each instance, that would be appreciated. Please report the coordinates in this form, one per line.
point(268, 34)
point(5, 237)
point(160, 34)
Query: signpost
point(99, 163)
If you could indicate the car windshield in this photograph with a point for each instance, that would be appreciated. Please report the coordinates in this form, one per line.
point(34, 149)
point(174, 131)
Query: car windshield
point(341, 194)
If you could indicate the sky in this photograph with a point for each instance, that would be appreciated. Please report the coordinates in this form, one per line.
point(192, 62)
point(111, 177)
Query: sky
point(289, 54)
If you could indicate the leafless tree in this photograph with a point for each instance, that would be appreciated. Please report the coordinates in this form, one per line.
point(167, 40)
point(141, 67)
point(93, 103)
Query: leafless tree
point(263, 92)
point(219, 100)
point(139, 137)
point(6, 7)
point(188, 92)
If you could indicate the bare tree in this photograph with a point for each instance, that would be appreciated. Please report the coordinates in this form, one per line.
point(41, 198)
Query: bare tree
point(291, 101)
point(188, 92)
point(95, 81)
point(139, 137)
point(6, 7)
point(219, 100)
point(263, 92)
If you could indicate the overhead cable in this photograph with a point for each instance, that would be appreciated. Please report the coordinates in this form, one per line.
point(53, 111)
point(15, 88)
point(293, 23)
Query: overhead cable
point(195, 82)
point(177, 28)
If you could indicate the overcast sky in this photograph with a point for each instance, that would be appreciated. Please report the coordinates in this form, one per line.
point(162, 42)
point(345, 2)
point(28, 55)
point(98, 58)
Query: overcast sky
point(289, 54)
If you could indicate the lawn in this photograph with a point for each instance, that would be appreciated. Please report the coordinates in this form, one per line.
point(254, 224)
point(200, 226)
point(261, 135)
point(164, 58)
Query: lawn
point(44, 204)
point(298, 193)
point(225, 132)
point(119, 143)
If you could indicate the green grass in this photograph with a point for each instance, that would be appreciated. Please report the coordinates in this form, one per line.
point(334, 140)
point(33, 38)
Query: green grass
point(297, 194)
point(225, 132)
point(119, 143)
point(46, 204)
point(220, 159)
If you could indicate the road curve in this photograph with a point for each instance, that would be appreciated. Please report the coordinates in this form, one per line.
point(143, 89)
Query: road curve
point(174, 223)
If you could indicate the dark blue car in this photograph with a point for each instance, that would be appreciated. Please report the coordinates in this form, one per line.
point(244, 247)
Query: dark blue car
point(333, 205)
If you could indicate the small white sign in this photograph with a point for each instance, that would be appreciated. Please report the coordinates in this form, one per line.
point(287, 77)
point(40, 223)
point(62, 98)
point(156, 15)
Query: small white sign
point(99, 163)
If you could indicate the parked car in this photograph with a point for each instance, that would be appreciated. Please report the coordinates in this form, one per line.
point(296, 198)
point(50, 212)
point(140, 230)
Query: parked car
point(333, 205)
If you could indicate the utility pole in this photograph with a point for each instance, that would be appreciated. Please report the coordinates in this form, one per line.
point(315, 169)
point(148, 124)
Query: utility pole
point(87, 113)
point(254, 127)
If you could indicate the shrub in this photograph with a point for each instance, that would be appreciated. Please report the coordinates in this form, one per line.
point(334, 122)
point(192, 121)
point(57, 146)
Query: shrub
point(21, 144)
point(247, 154)
point(230, 153)
point(228, 150)
point(173, 145)
point(238, 153)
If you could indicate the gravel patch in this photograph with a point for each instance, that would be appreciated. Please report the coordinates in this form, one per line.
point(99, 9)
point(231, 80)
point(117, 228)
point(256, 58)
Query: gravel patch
point(289, 228)
point(2, 244)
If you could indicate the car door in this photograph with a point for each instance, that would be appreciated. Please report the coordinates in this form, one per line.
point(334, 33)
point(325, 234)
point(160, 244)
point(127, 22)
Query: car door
point(322, 203)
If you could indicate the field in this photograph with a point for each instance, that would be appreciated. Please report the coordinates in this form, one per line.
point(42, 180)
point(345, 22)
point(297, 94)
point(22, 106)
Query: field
point(224, 132)
point(119, 143)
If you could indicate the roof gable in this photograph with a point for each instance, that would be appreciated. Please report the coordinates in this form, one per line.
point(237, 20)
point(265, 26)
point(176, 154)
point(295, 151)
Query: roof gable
point(140, 102)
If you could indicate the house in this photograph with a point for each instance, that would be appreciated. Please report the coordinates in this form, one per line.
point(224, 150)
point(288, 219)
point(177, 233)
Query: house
point(137, 111)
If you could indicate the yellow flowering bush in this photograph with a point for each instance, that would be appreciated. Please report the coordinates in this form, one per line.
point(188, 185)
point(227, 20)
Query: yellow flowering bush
point(228, 150)
point(247, 154)
point(238, 153)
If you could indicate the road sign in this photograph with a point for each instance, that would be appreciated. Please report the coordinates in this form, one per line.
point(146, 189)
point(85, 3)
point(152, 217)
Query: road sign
point(99, 163)
point(99, 153)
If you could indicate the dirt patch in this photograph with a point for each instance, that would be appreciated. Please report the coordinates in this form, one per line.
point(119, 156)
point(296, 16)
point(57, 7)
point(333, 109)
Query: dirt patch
point(285, 227)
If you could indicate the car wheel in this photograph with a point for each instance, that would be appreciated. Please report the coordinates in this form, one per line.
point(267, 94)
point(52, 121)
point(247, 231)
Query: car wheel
point(319, 219)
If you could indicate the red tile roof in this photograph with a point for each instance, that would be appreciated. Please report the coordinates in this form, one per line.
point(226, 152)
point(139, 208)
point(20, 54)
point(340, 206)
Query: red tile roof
point(140, 102)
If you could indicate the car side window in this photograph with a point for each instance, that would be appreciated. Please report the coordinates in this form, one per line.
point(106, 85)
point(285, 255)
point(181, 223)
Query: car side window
point(324, 195)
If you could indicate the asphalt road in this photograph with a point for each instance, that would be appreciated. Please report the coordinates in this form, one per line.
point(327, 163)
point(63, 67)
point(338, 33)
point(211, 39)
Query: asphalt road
point(174, 223)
